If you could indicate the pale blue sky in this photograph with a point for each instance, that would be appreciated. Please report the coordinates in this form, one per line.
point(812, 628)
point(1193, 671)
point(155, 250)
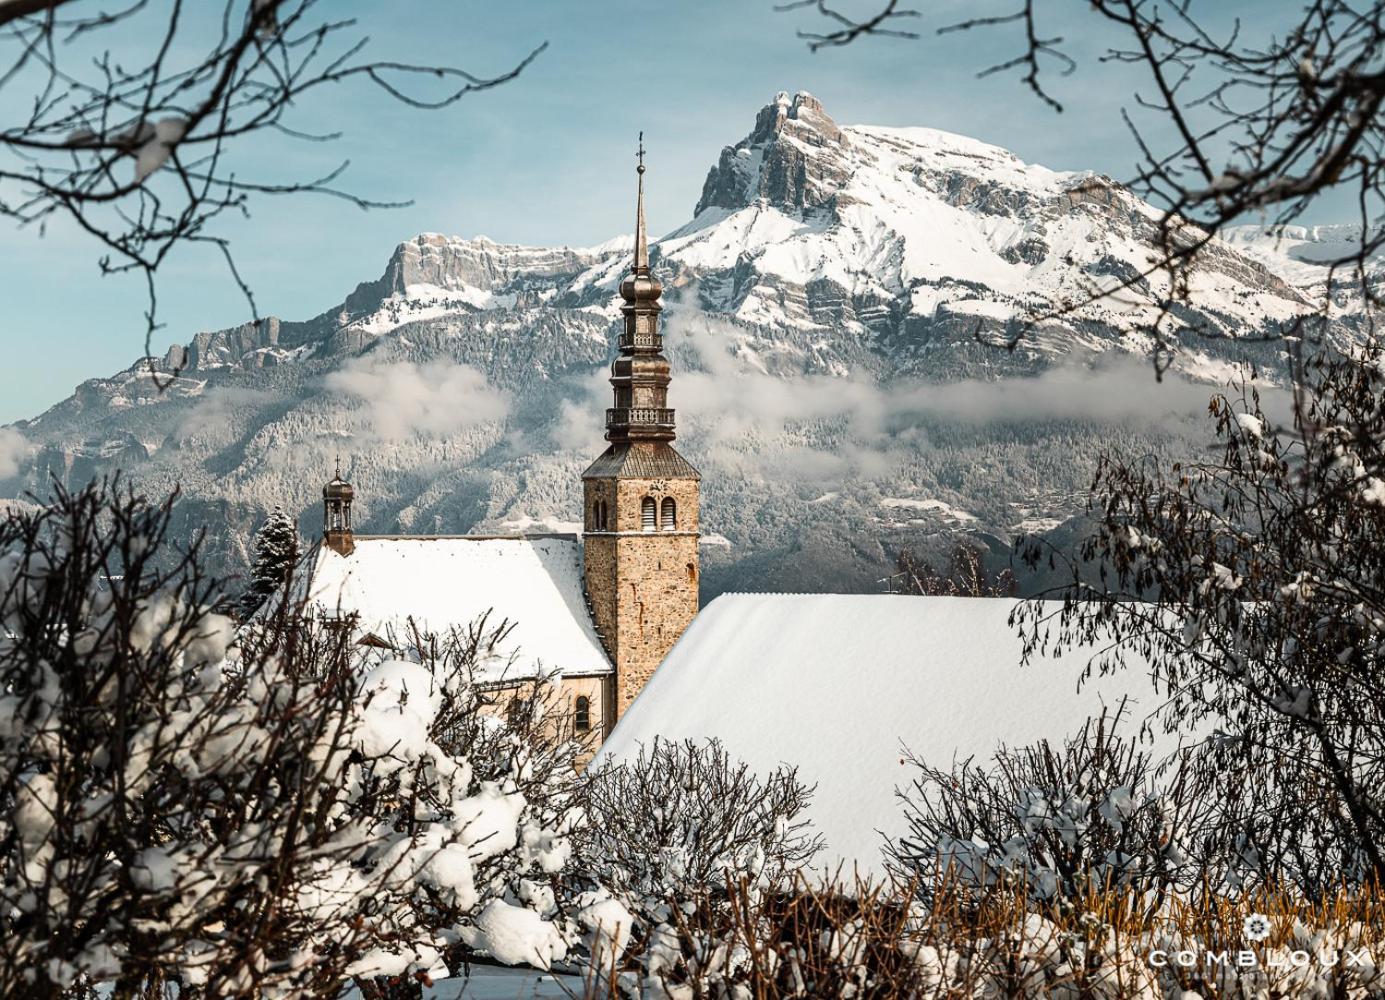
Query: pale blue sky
point(546, 159)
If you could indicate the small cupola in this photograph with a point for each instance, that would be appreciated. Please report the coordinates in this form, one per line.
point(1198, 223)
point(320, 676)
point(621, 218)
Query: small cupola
point(337, 497)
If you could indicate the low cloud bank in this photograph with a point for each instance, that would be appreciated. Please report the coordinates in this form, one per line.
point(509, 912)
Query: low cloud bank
point(821, 427)
point(13, 450)
point(402, 399)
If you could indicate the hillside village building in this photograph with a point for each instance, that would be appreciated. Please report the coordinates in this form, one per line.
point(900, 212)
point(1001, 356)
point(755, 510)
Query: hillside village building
point(604, 608)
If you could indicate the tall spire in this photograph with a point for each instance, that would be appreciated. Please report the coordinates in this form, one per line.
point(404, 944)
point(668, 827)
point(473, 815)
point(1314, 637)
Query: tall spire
point(640, 289)
point(641, 238)
point(640, 374)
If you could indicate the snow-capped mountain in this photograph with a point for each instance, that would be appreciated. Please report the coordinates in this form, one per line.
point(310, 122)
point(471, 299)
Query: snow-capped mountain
point(1312, 258)
point(826, 309)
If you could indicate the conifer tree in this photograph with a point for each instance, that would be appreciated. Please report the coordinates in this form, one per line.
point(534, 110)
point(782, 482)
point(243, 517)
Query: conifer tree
point(276, 552)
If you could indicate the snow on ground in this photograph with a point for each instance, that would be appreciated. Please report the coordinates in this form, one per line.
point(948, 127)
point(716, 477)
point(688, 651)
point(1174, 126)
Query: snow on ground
point(835, 683)
point(421, 304)
point(493, 983)
point(1037, 525)
point(1298, 254)
point(944, 509)
point(981, 307)
point(536, 583)
point(525, 523)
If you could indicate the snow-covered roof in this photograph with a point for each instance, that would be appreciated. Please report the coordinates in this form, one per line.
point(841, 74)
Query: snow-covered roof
point(835, 684)
point(533, 581)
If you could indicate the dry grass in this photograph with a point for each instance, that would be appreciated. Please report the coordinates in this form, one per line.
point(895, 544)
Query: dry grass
point(867, 940)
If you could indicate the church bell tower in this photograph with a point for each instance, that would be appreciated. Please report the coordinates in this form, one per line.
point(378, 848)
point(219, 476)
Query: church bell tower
point(640, 499)
point(337, 497)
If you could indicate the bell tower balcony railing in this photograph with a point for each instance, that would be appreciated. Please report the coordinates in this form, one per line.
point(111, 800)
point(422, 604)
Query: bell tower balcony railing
point(627, 416)
point(635, 341)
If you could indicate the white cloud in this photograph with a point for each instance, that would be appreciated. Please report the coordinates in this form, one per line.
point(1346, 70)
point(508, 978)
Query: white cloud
point(219, 410)
point(749, 420)
point(820, 427)
point(402, 399)
point(736, 394)
point(13, 450)
point(580, 424)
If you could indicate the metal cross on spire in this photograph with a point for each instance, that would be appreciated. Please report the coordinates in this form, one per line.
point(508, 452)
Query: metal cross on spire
point(641, 240)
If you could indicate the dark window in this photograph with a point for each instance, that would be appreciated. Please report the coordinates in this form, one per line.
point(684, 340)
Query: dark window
point(649, 514)
point(668, 519)
point(582, 717)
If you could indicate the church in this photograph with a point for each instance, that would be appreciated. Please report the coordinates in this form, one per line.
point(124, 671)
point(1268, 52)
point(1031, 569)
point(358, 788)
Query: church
point(600, 610)
point(834, 683)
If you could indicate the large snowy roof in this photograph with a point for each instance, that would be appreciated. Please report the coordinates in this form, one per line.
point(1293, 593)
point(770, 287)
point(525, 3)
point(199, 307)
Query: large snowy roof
point(533, 581)
point(834, 684)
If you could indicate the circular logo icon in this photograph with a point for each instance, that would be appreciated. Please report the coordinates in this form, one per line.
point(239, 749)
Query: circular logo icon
point(1256, 927)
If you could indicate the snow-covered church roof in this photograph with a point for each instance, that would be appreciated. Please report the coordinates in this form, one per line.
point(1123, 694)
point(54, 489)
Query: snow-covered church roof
point(835, 684)
point(533, 581)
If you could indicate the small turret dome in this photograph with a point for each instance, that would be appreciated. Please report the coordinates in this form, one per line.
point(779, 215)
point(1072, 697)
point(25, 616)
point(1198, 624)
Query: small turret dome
point(338, 489)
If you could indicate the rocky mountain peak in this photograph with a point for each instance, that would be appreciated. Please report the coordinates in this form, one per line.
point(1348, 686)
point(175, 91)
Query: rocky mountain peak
point(802, 115)
point(792, 158)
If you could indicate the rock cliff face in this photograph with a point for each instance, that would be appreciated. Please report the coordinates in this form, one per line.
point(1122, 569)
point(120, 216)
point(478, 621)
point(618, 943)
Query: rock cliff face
point(793, 158)
point(832, 289)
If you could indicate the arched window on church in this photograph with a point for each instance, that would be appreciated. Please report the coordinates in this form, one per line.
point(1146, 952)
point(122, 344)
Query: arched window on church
point(649, 515)
point(603, 518)
point(668, 517)
point(582, 715)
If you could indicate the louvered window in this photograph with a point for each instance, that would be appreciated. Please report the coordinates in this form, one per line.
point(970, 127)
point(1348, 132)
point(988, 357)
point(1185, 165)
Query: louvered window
point(668, 519)
point(649, 514)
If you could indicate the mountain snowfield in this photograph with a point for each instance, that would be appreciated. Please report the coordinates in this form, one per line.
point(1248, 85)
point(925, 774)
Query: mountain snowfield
point(831, 309)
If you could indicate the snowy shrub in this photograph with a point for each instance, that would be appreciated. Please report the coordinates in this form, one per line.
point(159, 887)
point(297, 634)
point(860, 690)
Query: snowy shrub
point(683, 818)
point(1059, 825)
point(1249, 585)
point(500, 826)
point(679, 831)
point(190, 811)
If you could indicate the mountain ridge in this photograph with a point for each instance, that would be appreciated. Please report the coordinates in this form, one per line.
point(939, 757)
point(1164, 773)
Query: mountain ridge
point(833, 284)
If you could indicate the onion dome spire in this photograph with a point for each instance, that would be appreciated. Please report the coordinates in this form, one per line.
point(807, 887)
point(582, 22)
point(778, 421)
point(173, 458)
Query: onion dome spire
point(640, 374)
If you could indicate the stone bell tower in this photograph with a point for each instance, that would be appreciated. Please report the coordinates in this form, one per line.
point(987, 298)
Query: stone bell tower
point(337, 497)
point(640, 499)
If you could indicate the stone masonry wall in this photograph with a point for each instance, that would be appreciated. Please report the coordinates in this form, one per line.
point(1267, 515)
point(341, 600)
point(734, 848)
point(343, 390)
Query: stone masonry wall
point(642, 584)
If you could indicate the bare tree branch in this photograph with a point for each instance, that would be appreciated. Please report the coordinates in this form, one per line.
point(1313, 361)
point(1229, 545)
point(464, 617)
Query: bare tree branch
point(139, 156)
point(1262, 128)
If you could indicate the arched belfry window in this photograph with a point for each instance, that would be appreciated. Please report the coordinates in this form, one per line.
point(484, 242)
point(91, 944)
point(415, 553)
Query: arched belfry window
point(668, 515)
point(599, 515)
point(582, 715)
point(649, 514)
